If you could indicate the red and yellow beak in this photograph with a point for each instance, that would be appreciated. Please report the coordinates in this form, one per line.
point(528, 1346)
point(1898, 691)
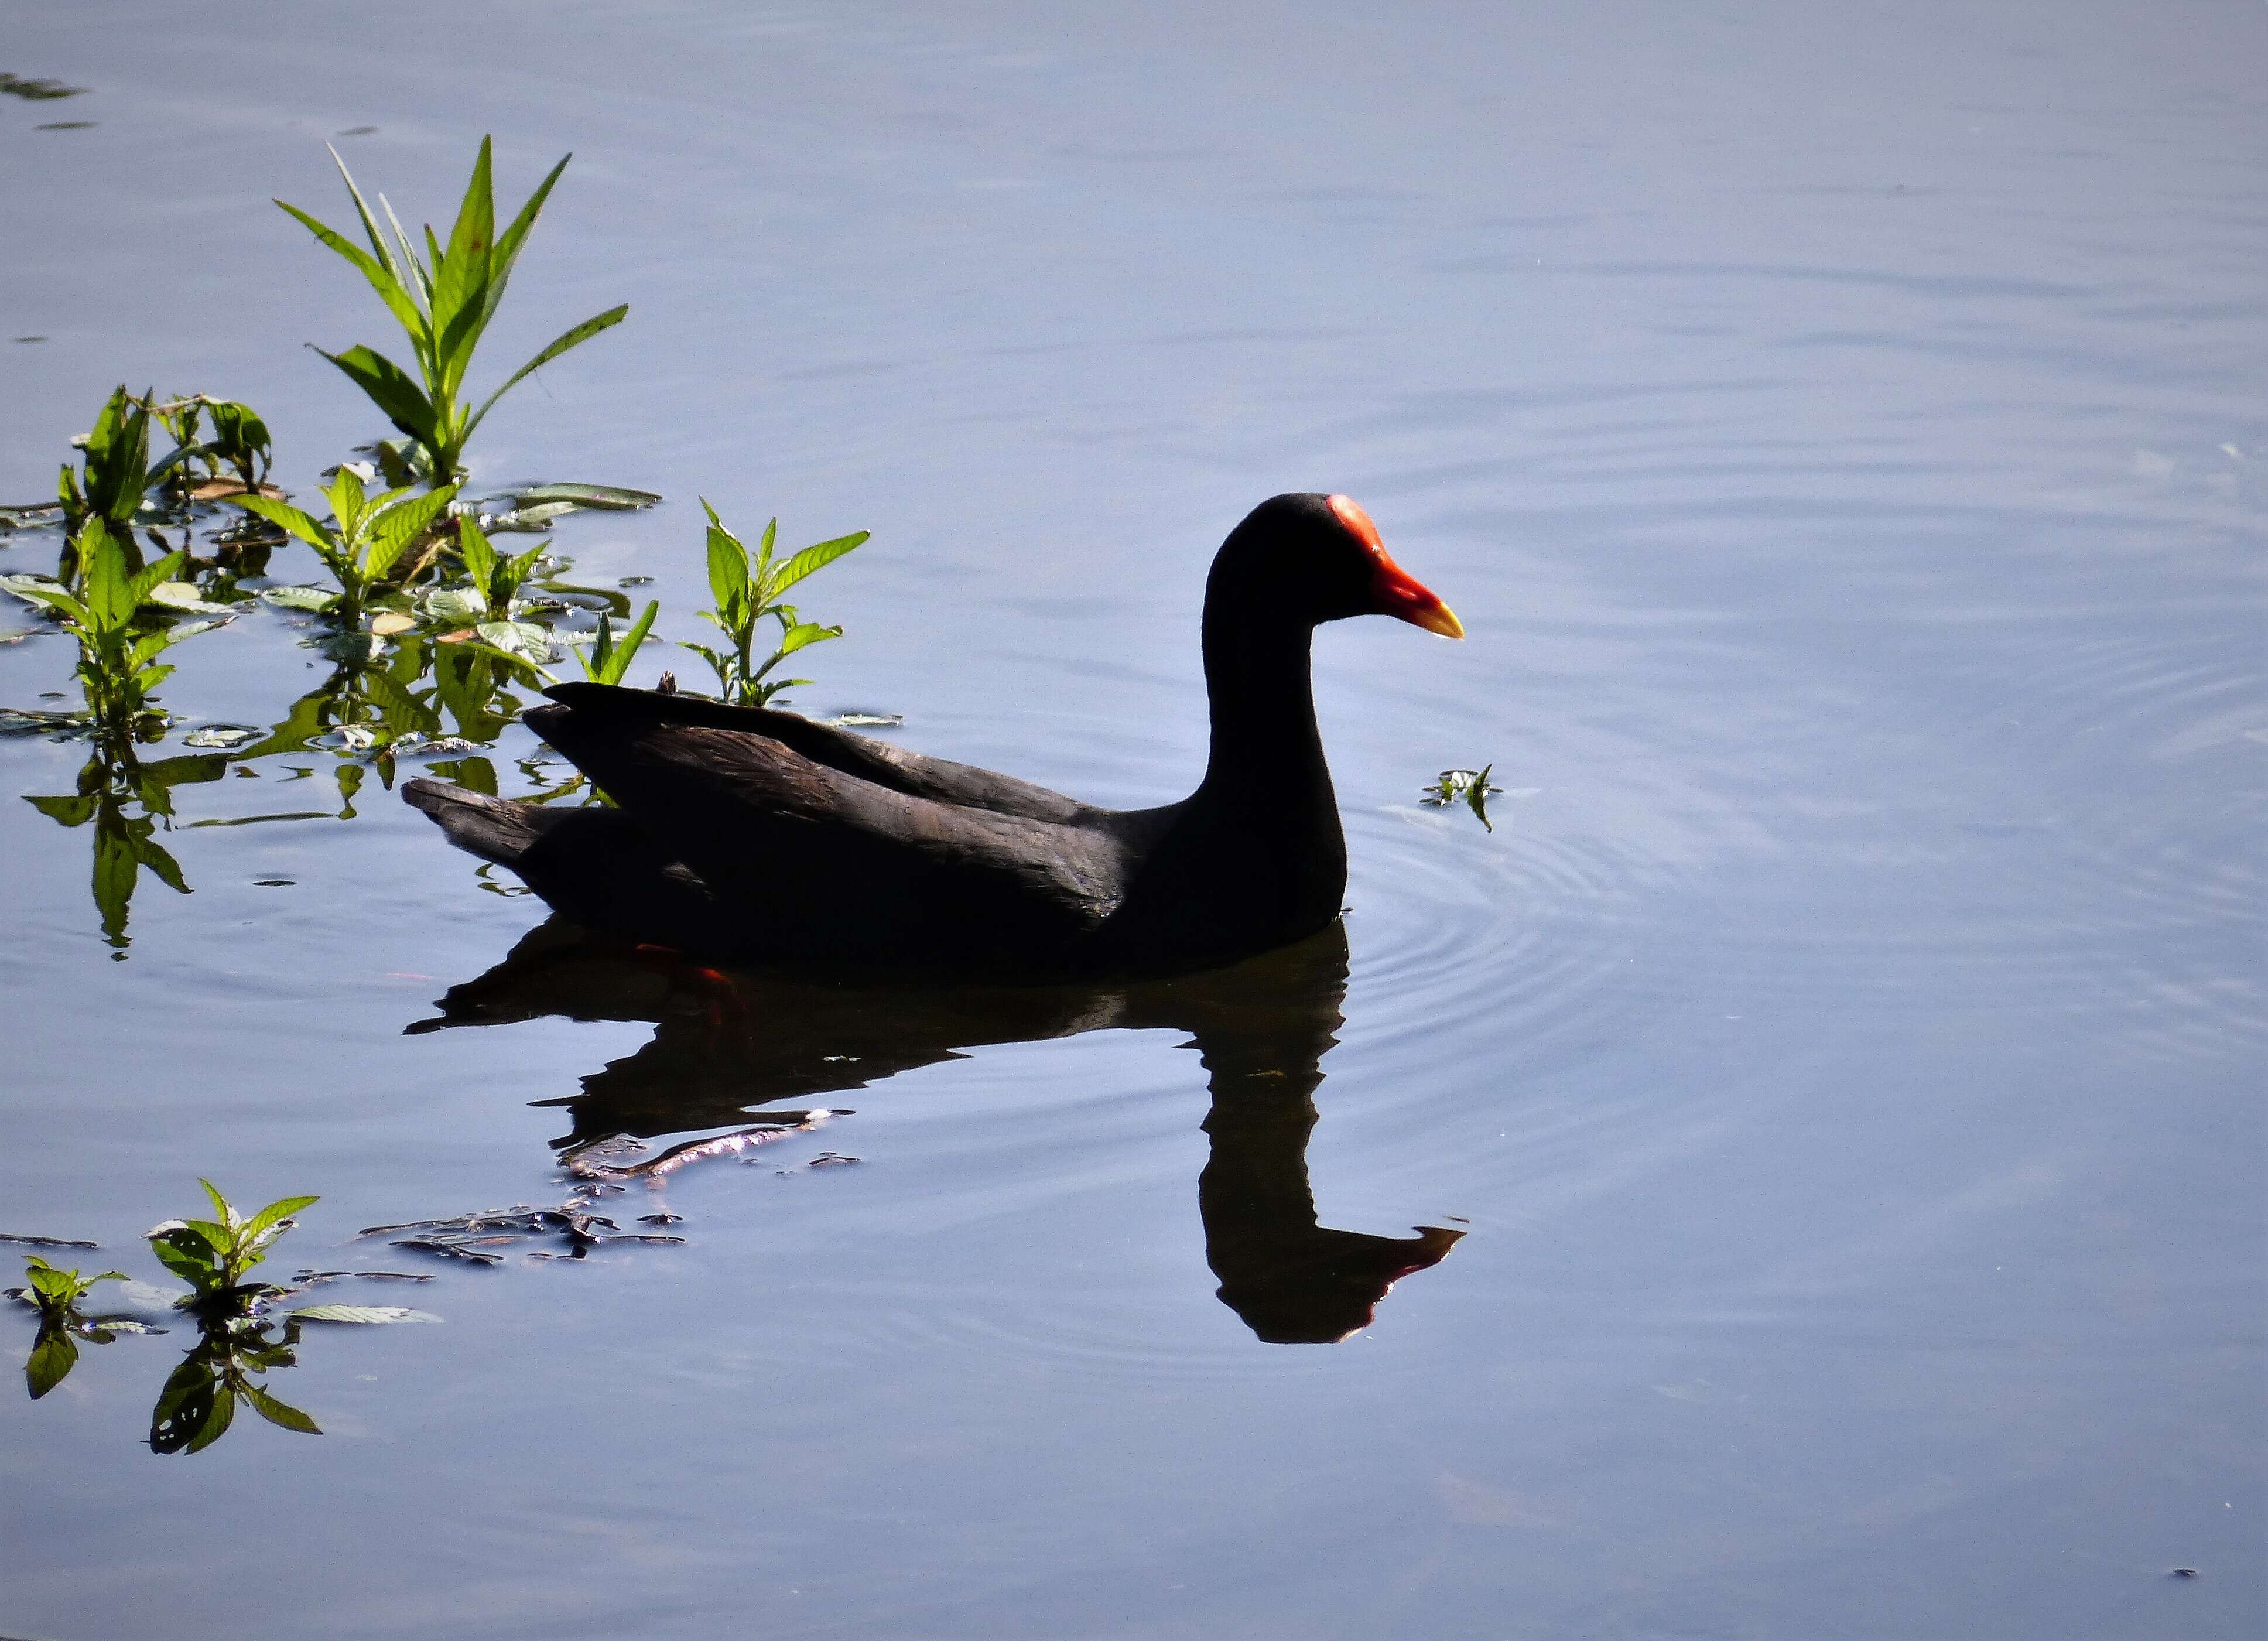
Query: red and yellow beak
point(1399, 594)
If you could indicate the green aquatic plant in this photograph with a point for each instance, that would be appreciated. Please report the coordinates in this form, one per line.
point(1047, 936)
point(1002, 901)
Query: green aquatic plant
point(57, 1291)
point(1469, 785)
point(114, 476)
point(239, 441)
point(494, 578)
point(1472, 785)
point(214, 1255)
point(366, 540)
point(608, 660)
point(443, 302)
point(118, 666)
point(746, 594)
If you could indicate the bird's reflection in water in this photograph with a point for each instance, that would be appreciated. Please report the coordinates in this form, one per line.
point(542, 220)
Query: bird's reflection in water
point(727, 1043)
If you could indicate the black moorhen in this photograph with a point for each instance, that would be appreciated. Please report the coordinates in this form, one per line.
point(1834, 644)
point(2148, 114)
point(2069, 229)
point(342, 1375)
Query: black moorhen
point(746, 834)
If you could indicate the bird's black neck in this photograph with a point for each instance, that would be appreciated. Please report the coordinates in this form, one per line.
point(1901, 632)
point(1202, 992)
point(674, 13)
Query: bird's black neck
point(1267, 753)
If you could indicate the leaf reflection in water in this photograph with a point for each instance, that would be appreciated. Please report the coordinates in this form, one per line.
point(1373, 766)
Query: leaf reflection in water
point(199, 1401)
point(725, 1042)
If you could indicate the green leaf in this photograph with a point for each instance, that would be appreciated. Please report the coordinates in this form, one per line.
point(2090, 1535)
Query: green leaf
point(149, 646)
point(728, 564)
point(518, 640)
point(216, 1421)
point(406, 254)
point(217, 1234)
point(183, 1405)
point(390, 388)
point(48, 1282)
point(54, 1354)
point(395, 528)
point(223, 1209)
point(480, 558)
point(146, 580)
point(457, 604)
point(813, 558)
point(118, 458)
point(110, 599)
point(52, 593)
point(803, 636)
point(460, 277)
point(576, 337)
point(69, 811)
point(290, 518)
point(381, 275)
point(347, 496)
point(149, 853)
point(281, 1413)
point(613, 659)
point(277, 1212)
point(190, 1259)
point(513, 575)
point(507, 248)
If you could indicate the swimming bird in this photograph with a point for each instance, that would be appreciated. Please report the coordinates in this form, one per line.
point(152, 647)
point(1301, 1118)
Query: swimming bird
point(746, 834)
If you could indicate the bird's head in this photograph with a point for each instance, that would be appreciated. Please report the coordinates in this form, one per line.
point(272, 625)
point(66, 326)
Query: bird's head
point(1320, 557)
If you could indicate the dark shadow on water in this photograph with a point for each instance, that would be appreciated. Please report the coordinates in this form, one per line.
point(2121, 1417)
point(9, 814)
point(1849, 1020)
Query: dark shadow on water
point(726, 1044)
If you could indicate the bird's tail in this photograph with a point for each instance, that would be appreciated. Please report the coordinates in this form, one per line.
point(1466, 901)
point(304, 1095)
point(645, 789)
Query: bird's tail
point(495, 829)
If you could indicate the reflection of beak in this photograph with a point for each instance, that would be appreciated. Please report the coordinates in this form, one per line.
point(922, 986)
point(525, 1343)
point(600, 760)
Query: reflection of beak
point(1403, 597)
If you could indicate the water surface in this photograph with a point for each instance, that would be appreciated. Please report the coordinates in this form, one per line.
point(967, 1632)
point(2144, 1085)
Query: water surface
point(1817, 1133)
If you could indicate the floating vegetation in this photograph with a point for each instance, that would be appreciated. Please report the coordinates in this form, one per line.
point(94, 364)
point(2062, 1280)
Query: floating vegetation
point(476, 1239)
point(1469, 785)
point(594, 1162)
point(443, 302)
point(215, 1256)
point(824, 1159)
point(37, 91)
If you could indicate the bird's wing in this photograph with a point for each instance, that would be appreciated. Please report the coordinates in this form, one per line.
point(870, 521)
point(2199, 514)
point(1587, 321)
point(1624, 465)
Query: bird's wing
point(798, 843)
point(911, 773)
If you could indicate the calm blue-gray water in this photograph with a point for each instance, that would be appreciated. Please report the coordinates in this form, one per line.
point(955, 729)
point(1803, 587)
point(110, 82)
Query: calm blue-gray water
point(1843, 432)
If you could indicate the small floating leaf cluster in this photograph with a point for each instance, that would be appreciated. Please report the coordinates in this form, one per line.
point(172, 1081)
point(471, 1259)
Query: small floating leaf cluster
point(436, 636)
point(1471, 786)
point(216, 1257)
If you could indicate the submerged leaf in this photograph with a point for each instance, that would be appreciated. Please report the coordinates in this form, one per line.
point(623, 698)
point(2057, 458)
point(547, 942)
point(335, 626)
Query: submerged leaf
point(313, 600)
point(530, 520)
point(368, 1315)
point(607, 496)
point(183, 595)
